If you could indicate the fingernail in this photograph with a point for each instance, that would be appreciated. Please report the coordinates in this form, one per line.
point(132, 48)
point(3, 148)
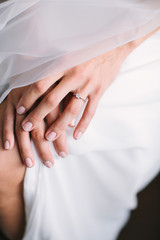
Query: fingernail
point(48, 164)
point(73, 123)
point(27, 126)
point(78, 135)
point(6, 145)
point(21, 110)
point(51, 136)
point(28, 162)
point(62, 154)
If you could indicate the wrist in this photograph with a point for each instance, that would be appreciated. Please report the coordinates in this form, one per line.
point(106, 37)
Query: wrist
point(129, 47)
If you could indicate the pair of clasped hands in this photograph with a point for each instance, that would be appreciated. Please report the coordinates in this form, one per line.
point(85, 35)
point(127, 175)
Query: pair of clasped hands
point(34, 111)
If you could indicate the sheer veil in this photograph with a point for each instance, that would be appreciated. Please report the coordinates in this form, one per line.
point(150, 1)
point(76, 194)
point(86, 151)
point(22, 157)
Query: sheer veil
point(39, 38)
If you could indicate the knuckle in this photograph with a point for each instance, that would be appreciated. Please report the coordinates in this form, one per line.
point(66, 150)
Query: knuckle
point(60, 128)
point(50, 100)
point(37, 135)
point(73, 110)
point(82, 76)
point(7, 119)
point(38, 87)
point(6, 132)
point(34, 118)
point(81, 70)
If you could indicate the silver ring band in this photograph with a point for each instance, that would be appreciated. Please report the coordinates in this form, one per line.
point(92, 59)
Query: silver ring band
point(78, 96)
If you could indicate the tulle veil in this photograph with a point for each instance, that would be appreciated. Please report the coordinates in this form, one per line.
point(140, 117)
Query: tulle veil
point(39, 38)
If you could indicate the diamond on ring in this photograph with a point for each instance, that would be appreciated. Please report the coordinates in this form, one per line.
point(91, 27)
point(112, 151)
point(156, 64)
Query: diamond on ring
point(78, 96)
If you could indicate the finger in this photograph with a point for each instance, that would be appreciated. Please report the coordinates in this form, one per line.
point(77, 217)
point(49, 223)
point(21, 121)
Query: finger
point(53, 116)
point(35, 91)
point(42, 146)
point(70, 112)
point(86, 117)
point(65, 102)
point(24, 143)
point(8, 126)
point(49, 102)
point(60, 144)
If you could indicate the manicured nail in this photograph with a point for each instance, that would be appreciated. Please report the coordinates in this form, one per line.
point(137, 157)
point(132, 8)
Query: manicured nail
point(78, 135)
point(48, 164)
point(28, 162)
point(73, 123)
point(6, 145)
point(27, 126)
point(21, 110)
point(51, 136)
point(62, 154)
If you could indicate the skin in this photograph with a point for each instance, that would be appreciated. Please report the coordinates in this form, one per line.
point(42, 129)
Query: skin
point(12, 171)
point(91, 79)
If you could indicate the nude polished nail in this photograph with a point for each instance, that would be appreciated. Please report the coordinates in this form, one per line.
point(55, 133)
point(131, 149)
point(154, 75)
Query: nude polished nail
point(6, 145)
point(28, 162)
point(21, 110)
point(62, 154)
point(27, 126)
point(51, 136)
point(48, 164)
point(78, 135)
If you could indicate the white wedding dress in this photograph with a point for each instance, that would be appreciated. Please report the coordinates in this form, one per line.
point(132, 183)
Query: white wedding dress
point(89, 194)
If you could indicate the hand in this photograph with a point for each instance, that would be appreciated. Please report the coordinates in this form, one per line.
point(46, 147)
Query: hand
point(13, 121)
point(90, 79)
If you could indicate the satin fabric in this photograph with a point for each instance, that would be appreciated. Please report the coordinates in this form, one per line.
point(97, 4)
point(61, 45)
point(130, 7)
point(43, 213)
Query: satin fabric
point(89, 194)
